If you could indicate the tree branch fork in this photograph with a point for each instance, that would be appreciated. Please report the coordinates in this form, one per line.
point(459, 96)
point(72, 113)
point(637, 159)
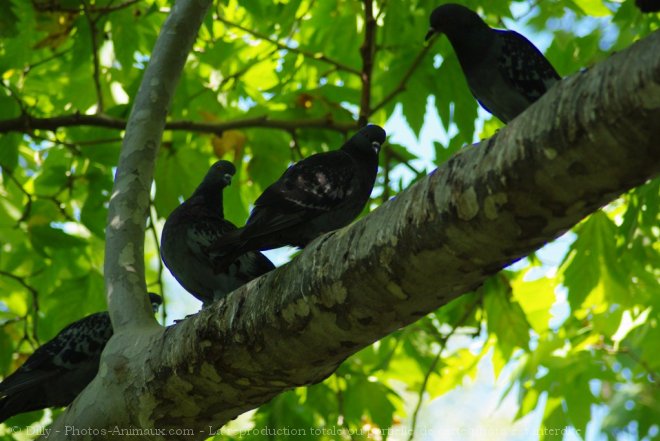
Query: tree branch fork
point(585, 142)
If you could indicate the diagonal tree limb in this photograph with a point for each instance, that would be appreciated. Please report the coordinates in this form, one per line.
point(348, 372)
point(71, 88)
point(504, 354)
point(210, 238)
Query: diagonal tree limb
point(585, 142)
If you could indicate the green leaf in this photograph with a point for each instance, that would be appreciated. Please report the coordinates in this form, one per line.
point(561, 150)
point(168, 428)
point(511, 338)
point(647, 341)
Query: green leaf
point(72, 300)
point(6, 350)
point(177, 174)
point(9, 144)
point(505, 317)
point(364, 397)
point(8, 20)
point(46, 237)
point(554, 424)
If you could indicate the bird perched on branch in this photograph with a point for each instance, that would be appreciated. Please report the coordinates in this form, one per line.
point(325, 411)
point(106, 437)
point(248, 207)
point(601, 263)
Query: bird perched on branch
point(61, 368)
point(505, 72)
point(191, 229)
point(648, 5)
point(321, 193)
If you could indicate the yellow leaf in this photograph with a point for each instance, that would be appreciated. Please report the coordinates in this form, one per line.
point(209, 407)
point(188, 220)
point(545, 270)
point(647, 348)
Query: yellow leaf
point(595, 8)
point(535, 298)
point(230, 141)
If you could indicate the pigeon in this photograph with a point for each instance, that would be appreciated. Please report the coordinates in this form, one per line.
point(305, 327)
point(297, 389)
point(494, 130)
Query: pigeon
point(193, 227)
point(648, 5)
point(321, 193)
point(61, 368)
point(505, 72)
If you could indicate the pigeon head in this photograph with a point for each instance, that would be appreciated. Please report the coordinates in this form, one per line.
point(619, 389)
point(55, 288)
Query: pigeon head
point(217, 178)
point(367, 140)
point(155, 300)
point(454, 20)
point(220, 174)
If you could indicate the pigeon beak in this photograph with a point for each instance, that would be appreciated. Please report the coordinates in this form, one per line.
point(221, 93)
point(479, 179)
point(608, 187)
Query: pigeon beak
point(227, 179)
point(375, 146)
point(430, 34)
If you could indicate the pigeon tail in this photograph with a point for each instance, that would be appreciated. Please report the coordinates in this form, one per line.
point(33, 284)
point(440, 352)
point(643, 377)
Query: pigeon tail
point(14, 404)
point(7, 409)
point(228, 243)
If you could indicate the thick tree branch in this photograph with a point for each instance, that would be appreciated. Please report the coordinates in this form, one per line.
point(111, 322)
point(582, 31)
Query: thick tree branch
point(129, 203)
point(581, 145)
point(26, 124)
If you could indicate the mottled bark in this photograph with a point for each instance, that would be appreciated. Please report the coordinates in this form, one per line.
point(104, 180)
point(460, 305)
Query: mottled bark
point(588, 140)
point(129, 202)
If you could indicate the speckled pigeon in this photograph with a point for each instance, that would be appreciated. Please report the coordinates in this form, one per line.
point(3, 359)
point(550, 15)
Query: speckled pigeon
point(648, 5)
point(321, 193)
point(505, 72)
point(190, 230)
point(61, 368)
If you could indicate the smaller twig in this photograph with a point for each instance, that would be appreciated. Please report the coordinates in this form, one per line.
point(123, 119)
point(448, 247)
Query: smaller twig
point(298, 19)
point(109, 8)
point(402, 84)
point(634, 357)
point(95, 57)
point(36, 64)
point(386, 175)
point(443, 343)
point(15, 97)
point(34, 295)
point(52, 198)
point(340, 409)
point(401, 160)
point(381, 10)
point(239, 73)
point(385, 362)
point(303, 52)
point(12, 321)
point(28, 206)
point(294, 146)
point(27, 123)
point(73, 148)
point(367, 51)
point(55, 7)
point(159, 279)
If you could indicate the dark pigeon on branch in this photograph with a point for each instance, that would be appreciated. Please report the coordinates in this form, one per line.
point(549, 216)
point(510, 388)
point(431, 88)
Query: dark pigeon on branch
point(61, 368)
point(321, 193)
point(191, 229)
point(505, 72)
point(648, 5)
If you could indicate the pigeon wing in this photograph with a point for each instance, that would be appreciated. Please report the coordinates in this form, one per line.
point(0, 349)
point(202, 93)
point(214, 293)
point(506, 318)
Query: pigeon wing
point(76, 344)
point(307, 189)
point(205, 231)
point(529, 72)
